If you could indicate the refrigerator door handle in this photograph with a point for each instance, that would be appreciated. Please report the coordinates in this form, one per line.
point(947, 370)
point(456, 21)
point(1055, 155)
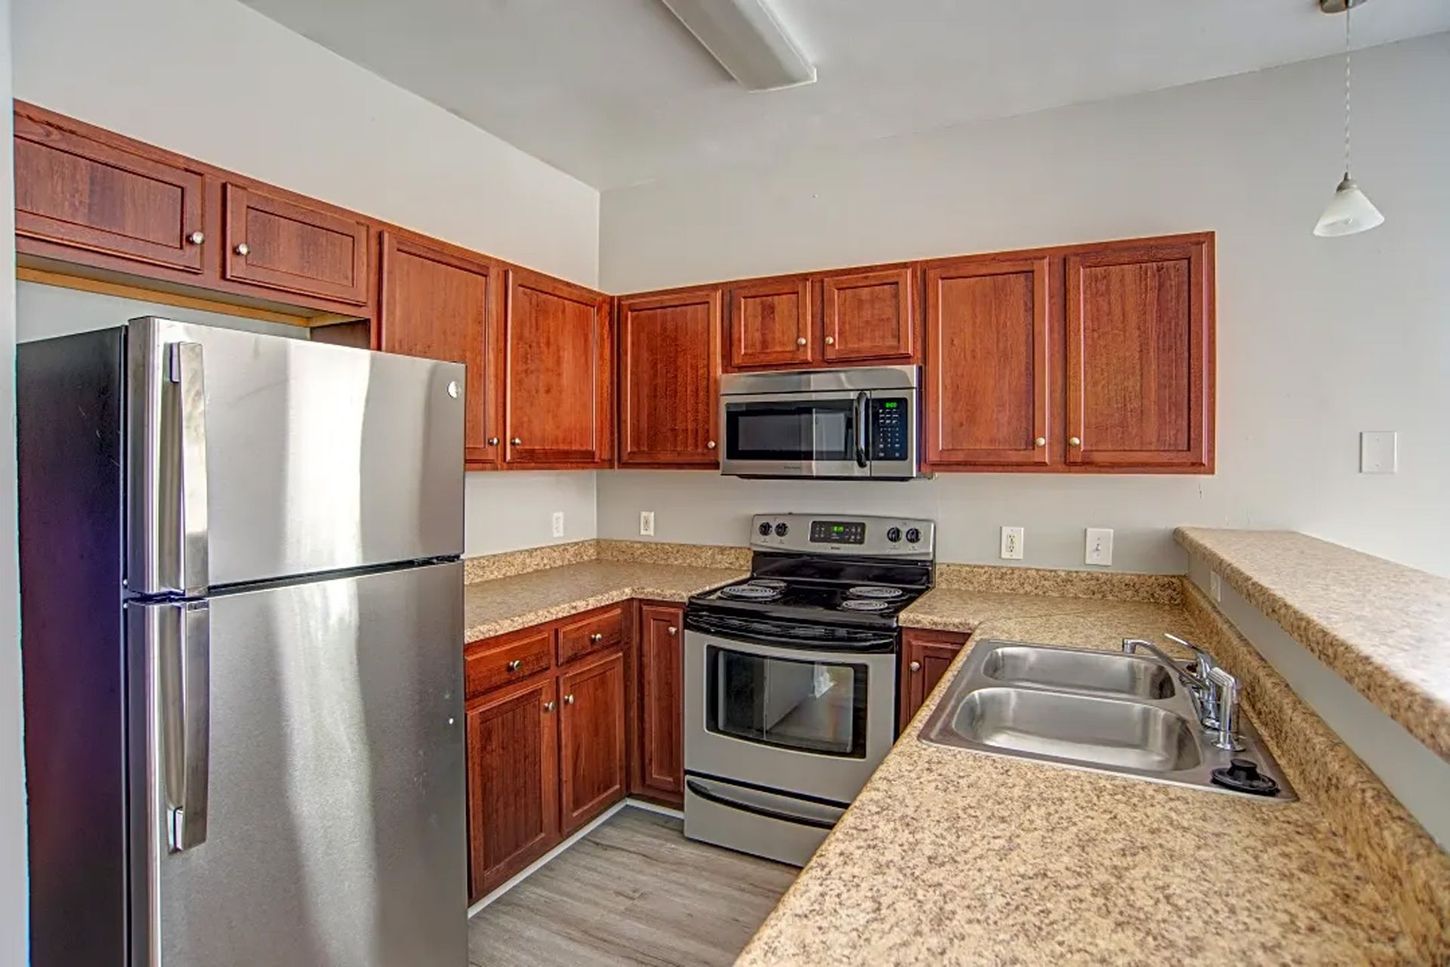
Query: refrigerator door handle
point(183, 648)
point(184, 370)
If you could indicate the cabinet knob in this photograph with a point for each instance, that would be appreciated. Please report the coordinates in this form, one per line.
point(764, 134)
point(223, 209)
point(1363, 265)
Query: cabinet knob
point(800, 340)
point(597, 636)
point(243, 249)
point(548, 706)
point(493, 441)
point(710, 445)
point(569, 699)
point(196, 238)
point(514, 665)
point(915, 666)
point(516, 441)
point(830, 340)
point(1040, 441)
point(673, 630)
point(1073, 441)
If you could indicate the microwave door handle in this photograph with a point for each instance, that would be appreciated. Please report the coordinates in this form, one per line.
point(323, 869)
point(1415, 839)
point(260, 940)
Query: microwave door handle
point(862, 440)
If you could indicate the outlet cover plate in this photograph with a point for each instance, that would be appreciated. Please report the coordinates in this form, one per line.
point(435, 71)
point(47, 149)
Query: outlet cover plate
point(1012, 538)
point(558, 523)
point(1379, 451)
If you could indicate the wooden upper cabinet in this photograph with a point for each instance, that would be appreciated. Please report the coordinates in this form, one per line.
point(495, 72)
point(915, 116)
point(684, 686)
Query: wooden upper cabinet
point(1140, 354)
point(989, 330)
point(279, 244)
point(511, 739)
point(591, 739)
point(669, 379)
point(770, 324)
point(868, 316)
point(558, 375)
point(83, 193)
point(441, 303)
point(661, 697)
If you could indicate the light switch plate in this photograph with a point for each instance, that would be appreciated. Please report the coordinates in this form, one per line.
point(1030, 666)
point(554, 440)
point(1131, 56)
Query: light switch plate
point(1099, 547)
point(646, 523)
point(558, 523)
point(1379, 451)
point(1012, 543)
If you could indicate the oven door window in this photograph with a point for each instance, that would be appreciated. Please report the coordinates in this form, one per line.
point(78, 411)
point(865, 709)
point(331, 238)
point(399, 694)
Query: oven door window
point(808, 430)
point(808, 706)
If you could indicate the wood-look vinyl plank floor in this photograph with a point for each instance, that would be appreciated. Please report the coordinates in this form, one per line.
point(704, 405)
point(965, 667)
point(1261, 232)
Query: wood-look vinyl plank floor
point(634, 891)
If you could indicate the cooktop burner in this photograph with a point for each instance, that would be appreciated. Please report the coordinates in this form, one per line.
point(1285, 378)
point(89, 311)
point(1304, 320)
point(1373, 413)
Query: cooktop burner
point(872, 605)
point(874, 591)
point(754, 591)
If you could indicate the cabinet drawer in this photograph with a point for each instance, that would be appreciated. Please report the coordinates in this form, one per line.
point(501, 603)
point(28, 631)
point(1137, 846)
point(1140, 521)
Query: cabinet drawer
point(591, 632)
point(509, 658)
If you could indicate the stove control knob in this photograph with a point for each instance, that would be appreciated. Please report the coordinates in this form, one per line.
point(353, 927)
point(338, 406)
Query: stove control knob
point(913, 535)
point(893, 534)
point(781, 529)
point(765, 529)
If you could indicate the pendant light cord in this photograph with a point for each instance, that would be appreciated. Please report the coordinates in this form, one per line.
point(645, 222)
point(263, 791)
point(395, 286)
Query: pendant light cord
point(1348, 7)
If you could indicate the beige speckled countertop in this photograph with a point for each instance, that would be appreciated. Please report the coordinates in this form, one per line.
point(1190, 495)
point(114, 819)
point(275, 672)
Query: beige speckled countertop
point(951, 856)
point(493, 607)
point(1383, 627)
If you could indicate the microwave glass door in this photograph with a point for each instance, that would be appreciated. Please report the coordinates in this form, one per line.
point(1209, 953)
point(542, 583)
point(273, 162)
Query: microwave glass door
point(779, 433)
point(808, 706)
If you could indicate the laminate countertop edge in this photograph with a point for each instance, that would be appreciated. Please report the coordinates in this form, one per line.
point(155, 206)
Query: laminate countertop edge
point(1379, 625)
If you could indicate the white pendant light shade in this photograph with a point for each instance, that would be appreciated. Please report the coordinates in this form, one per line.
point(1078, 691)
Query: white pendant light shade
point(1349, 211)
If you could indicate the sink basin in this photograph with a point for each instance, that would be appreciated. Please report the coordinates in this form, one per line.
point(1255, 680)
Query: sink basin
point(1101, 711)
point(1082, 728)
point(1092, 671)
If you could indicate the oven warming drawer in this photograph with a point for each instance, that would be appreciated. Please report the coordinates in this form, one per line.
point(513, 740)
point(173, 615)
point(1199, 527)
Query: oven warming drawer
point(769, 824)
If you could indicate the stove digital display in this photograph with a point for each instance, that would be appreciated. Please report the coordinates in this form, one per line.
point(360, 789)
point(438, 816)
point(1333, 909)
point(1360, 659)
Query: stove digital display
point(838, 532)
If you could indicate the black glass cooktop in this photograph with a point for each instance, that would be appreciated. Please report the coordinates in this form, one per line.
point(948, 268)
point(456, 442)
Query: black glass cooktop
point(864, 604)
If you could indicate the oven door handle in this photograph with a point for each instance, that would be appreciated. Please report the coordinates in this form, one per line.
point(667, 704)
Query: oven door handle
point(862, 440)
point(763, 811)
point(856, 642)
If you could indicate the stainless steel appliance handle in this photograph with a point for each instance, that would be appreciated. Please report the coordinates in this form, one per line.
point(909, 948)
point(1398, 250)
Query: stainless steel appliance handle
point(184, 371)
point(710, 795)
point(183, 645)
point(862, 441)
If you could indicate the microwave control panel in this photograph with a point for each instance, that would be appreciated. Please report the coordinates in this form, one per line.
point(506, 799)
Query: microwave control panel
point(890, 426)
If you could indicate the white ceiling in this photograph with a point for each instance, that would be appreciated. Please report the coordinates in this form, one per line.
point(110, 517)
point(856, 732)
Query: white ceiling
point(617, 92)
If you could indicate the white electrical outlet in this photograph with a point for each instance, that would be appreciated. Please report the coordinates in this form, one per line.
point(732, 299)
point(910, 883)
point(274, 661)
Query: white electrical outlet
point(646, 523)
point(558, 523)
point(1099, 546)
point(1215, 586)
point(1012, 543)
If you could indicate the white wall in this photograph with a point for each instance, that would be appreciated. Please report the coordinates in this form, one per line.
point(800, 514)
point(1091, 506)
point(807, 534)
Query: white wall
point(216, 80)
point(43, 311)
point(1318, 339)
point(14, 922)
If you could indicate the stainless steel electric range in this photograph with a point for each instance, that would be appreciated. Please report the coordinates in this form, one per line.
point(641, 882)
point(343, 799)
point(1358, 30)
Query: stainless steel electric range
point(790, 678)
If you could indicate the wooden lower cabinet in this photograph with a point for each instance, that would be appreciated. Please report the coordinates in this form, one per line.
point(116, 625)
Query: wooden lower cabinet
point(661, 774)
point(591, 739)
point(511, 738)
point(925, 657)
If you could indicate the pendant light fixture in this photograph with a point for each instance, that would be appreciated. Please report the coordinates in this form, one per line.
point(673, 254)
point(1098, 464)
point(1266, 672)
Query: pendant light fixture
point(1349, 211)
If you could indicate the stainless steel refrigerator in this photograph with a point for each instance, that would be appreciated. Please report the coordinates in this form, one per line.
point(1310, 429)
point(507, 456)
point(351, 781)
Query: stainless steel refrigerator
point(242, 644)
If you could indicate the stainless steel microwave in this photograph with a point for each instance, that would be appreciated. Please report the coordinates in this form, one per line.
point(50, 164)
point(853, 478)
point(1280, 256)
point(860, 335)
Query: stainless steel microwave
point(835, 423)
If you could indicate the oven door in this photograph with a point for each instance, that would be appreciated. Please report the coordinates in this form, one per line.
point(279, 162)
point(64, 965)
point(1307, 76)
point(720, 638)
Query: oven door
point(797, 718)
point(817, 434)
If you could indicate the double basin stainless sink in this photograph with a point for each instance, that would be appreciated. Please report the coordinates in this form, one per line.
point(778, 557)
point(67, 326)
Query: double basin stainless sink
point(1103, 711)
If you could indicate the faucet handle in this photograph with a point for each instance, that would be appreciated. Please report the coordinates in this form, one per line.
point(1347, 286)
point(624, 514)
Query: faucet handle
point(1227, 701)
point(1202, 658)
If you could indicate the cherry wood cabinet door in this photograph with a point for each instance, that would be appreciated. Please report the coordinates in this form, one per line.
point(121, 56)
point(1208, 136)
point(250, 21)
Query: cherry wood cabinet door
point(591, 738)
point(279, 244)
point(868, 316)
point(558, 375)
point(669, 380)
point(661, 661)
point(82, 193)
point(925, 657)
point(1140, 355)
point(439, 302)
point(989, 332)
point(770, 324)
point(511, 738)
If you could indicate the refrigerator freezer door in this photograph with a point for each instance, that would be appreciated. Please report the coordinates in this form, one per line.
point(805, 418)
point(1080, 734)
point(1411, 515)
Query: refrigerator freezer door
point(316, 457)
point(335, 780)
